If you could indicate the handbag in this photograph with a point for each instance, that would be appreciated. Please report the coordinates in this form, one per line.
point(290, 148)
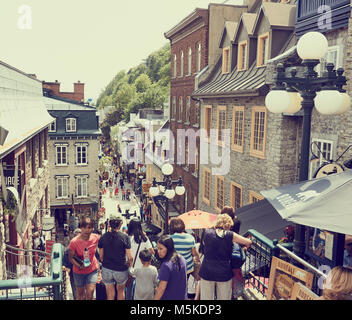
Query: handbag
point(78, 260)
point(130, 279)
point(238, 256)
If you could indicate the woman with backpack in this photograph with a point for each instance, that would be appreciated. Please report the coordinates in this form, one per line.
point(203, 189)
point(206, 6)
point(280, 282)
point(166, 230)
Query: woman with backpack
point(139, 242)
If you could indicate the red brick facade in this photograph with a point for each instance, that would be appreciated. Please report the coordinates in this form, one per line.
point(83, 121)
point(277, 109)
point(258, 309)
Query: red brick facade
point(188, 34)
point(76, 95)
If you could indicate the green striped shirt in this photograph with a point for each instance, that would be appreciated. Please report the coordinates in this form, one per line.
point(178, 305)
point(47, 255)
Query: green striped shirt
point(184, 243)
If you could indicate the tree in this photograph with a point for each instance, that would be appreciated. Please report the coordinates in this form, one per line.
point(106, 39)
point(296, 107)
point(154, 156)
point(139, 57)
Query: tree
point(142, 83)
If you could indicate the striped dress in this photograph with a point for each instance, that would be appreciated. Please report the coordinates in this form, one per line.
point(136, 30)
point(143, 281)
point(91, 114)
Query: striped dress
point(184, 243)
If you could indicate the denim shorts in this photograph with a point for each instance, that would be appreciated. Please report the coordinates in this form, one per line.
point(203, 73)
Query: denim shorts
point(81, 280)
point(110, 276)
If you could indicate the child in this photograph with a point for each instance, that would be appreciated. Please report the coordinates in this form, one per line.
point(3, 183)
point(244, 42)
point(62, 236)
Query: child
point(146, 277)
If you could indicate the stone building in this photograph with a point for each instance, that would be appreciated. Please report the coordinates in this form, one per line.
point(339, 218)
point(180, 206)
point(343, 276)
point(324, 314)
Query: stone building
point(24, 165)
point(258, 150)
point(73, 149)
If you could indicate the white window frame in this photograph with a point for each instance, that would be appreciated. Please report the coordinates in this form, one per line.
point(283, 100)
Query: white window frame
point(64, 183)
point(71, 124)
point(321, 67)
point(189, 61)
point(182, 64)
point(199, 57)
point(61, 163)
point(81, 146)
point(52, 126)
point(175, 65)
point(316, 164)
point(82, 184)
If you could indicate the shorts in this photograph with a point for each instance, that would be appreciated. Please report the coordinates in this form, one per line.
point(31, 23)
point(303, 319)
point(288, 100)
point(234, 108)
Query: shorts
point(81, 280)
point(110, 276)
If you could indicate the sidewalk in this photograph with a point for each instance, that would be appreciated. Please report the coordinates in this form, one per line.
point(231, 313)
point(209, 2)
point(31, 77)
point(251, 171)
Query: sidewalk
point(110, 205)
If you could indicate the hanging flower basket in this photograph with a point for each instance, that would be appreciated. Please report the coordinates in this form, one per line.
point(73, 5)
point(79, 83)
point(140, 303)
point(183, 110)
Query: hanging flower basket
point(10, 204)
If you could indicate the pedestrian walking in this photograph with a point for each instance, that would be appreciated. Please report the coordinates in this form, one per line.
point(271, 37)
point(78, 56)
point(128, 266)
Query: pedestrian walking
point(215, 271)
point(115, 254)
point(146, 277)
point(184, 243)
point(123, 194)
point(67, 264)
point(121, 183)
point(139, 242)
point(172, 273)
point(119, 208)
point(128, 194)
point(116, 191)
point(81, 253)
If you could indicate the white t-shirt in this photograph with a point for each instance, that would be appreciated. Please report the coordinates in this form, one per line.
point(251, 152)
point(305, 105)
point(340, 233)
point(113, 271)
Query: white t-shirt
point(134, 246)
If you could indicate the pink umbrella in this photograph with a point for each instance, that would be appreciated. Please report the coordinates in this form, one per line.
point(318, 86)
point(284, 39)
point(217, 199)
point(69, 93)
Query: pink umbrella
point(197, 219)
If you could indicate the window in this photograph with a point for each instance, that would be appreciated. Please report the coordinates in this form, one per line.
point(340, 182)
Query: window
point(219, 193)
point(81, 186)
point(189, 61)
point(186, 153)
point(237, 128)
point(180, 109)
point(81, 154)
point(188, 109)
point(324, 155)
point(197, 112)
point(236, 195)
point(175, 65)
point(181, 64)
point(70, 125)
point(263, 49)
point(61, 187)
point(173, 108)
point(226, 60)
point(206, 185)
point(242, 56)
point(207, 121)
point(331, 56)
point(254, 197)
point(196, 160)
point(52, 126)
point(61, 155)
point(221, 124)
point(258, 132)
point(199, 57)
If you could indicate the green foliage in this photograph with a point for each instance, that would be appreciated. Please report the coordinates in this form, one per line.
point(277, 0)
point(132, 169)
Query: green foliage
point(144, 86)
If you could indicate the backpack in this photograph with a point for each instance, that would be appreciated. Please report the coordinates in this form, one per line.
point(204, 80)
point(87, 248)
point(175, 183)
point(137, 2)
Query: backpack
point(238, 256)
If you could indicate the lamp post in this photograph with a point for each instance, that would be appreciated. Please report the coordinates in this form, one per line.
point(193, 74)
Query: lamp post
point(164, 190)
point(291, 93)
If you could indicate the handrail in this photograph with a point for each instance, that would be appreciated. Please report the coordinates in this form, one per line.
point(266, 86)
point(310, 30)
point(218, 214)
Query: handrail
point(301, 261)
point(27, 250)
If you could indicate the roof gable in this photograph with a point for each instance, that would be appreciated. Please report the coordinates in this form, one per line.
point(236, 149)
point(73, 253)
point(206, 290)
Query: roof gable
point(278, 15)
point(247, 23)
point(228, 31)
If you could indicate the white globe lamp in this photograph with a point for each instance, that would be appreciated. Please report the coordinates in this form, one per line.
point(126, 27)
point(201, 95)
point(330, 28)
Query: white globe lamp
point(277, 101)
point(170, 193)
point(167, 169)
point(154, 191)
point(328, 102)
point(295, 102)
point(346, 104)
point(312, 46)
point(180, 190)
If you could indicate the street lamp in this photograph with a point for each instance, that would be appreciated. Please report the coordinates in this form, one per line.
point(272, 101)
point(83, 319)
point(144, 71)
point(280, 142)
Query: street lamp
point(164, 191)
point(291, 93)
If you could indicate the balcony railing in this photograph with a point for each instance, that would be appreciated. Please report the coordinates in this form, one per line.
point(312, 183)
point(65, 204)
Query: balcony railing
point(27, 287)
point(256, 269)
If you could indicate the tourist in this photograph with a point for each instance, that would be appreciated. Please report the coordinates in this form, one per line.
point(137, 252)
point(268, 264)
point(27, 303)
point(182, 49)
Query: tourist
point(146, 277)
point(81, 253)
point(184, 243)
point(114, 248)
point(215, 271)
point(139, 242)
point(172, 273)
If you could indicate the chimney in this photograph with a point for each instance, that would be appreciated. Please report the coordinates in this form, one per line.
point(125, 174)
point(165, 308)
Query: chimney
point(78, 91)
point(53, 86)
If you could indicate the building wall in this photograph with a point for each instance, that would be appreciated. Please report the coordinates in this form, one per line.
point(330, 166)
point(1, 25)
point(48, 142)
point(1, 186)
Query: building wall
point(71, 169)
point(253, 174)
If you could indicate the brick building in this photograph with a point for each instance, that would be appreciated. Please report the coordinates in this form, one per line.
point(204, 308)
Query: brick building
point(53, 89)
point(23, 157)
point(191, 52)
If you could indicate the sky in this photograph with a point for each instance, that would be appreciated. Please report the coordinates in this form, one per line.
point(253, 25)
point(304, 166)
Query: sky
point(86, 40)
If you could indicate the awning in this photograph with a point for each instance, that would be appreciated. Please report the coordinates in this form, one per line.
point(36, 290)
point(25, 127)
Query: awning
point(262, 217)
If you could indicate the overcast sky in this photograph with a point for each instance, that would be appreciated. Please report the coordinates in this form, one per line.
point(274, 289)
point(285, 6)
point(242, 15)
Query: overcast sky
point(86, 40)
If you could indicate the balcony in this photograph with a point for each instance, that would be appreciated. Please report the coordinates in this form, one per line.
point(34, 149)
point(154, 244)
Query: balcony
point(313, 16)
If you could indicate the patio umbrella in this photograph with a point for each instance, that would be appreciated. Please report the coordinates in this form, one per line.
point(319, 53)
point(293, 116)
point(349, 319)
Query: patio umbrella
point(197, 219)
point(324, 203)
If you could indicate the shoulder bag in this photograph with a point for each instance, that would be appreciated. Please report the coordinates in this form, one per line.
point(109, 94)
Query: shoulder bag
point(130, 278)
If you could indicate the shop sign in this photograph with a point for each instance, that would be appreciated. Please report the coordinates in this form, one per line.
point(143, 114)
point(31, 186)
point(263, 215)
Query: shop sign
point(48, 223)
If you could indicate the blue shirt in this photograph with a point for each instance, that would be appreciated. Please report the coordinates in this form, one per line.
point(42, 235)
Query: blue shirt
point(184, 243)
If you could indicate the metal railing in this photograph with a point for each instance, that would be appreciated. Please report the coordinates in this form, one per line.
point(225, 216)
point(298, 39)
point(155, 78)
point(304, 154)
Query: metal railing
point(27, 287)
point(256, 269)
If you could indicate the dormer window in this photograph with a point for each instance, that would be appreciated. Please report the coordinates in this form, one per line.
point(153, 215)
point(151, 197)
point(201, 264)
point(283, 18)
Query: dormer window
point(70, 125)
point(242, 55)
point(263, 49)
point(226, 60)
point(52, 126)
